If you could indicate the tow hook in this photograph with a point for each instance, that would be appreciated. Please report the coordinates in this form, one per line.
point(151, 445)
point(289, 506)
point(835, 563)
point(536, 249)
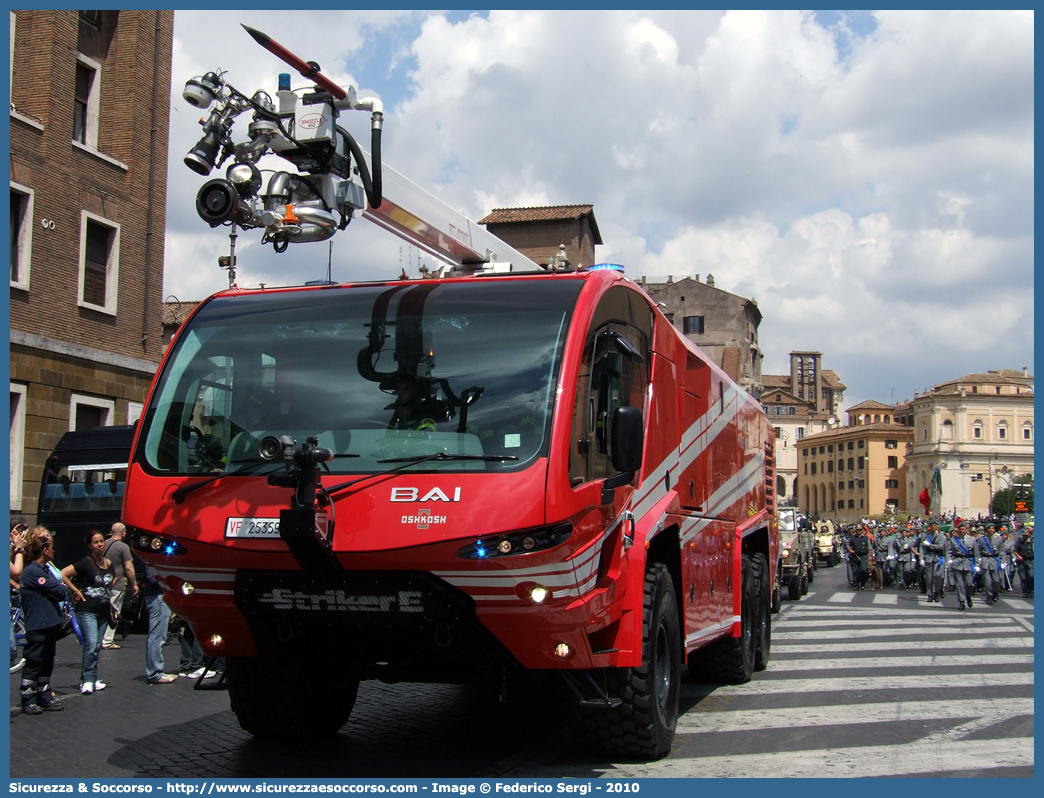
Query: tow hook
point(443, 635)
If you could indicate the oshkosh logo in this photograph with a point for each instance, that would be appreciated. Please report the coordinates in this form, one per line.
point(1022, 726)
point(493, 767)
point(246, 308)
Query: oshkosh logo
point(424, 519)
point(433, 495)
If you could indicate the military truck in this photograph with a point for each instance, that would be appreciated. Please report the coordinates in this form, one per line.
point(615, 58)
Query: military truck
point(797, 557)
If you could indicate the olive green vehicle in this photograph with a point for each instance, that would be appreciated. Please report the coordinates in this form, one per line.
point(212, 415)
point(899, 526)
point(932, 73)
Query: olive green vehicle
point(797, 554)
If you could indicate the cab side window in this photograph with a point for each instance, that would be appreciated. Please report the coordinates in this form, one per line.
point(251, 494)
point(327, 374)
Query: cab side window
point(613, 375)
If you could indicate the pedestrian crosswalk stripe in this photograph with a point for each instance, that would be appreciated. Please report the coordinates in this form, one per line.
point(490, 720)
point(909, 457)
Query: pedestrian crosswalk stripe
point(769, 686)
point(914, 661)
point(907, 604)
point(847, 621)
point(926, 632)
point(842, 714)
point(860, 761)
point(845, 645)
point(886, 598)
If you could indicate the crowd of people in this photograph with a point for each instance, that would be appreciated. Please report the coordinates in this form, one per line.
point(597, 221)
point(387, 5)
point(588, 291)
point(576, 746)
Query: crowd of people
point(936, 556)
point(89, 593)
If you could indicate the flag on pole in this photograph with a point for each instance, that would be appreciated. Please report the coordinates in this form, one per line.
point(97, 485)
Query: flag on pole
point(936, 493)
point(926, 499)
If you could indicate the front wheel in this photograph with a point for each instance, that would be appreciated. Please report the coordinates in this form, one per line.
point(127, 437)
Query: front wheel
point(642, 725)
point(269, 701)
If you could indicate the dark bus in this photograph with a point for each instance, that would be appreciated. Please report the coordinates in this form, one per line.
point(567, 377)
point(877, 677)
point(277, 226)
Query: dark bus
point(82, 487)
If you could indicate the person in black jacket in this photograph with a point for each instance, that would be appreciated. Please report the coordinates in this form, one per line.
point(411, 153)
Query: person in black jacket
point(859, 551)
point(1024, 557)
point(41, 591)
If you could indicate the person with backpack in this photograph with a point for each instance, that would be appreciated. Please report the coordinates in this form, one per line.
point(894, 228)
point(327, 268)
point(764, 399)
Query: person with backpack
point(126, 580)
point(93, 578)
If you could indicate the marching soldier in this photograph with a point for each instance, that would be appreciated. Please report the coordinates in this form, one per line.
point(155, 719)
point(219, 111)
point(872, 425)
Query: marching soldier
point(933, 554)
point(1007, 559)
point(1024, 556)
point(962, 564)
point(908, 559)
point(987, 555)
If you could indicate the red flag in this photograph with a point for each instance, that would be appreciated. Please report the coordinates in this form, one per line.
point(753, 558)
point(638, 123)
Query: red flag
point(926, 499)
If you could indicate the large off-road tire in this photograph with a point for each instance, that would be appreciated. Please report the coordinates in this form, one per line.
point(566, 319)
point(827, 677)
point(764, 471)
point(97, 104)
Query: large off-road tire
point(763, 647)
point(804, 580)
point(777, 597)
point(810, 567)
point(731, 660)
point(289, 698)
point(642, 726)
point(794, 588)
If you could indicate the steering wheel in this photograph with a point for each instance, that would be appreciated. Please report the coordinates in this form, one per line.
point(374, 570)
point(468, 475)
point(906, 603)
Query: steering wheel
point(208, 448)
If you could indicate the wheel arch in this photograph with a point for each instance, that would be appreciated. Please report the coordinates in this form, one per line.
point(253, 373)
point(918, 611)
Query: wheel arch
point(666, 548)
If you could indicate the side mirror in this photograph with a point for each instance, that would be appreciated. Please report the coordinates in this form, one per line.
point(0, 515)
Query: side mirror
point(628, 437)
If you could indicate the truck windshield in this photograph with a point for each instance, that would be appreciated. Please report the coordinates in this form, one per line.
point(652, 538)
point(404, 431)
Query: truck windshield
point(377, 372)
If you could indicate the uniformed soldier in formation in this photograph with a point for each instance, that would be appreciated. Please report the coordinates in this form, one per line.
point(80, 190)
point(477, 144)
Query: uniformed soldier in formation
point(908, 555)
point(1007, 559)
point(987, 556)
point(891, 541)
point(933, 553)
point(962, 564)
point(1024, 556)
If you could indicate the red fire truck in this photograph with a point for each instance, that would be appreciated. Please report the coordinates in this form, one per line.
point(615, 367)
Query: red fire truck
point(466, 477)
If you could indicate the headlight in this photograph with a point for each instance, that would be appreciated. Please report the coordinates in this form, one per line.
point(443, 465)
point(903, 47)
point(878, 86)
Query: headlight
point(516, 543)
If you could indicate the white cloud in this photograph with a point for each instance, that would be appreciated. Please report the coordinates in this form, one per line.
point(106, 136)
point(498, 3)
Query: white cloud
point(870, 185)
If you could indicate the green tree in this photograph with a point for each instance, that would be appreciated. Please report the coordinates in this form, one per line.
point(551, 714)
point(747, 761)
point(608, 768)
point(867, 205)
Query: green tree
point(1021, 490)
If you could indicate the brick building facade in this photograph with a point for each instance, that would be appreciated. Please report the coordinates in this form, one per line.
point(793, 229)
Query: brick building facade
point(90, 99)
point(546, 233)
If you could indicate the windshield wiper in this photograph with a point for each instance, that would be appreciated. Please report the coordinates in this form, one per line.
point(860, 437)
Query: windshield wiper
point(421, 458)
point(184, 490)
point(406, 462)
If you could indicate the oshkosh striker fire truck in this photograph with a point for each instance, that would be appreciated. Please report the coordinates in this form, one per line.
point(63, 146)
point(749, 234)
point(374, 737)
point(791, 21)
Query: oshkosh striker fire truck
point(470, 476)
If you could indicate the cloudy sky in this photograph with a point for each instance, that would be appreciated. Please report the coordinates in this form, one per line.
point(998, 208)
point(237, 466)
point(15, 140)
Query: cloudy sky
point(867, 178)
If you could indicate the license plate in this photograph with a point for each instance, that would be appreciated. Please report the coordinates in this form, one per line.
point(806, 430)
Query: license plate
point(252, 528)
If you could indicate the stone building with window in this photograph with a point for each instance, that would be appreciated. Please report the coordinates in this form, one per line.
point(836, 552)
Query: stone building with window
point(723, 325)
point(90, 100)
point(804, 402)
point(979, 431)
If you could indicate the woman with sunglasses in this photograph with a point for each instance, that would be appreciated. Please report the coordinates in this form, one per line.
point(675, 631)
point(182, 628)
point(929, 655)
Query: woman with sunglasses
point(42, 590)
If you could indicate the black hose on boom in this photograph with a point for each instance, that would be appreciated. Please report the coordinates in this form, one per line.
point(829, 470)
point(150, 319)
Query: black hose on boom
point(372, 186)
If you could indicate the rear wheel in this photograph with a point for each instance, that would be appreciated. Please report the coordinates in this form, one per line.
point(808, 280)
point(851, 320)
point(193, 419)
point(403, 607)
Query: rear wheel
point(643, 725)
point(794, 588)
point(764, 614)
point(731, 659)
point(810, 567)
point(272, 696)
point(804, 580)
